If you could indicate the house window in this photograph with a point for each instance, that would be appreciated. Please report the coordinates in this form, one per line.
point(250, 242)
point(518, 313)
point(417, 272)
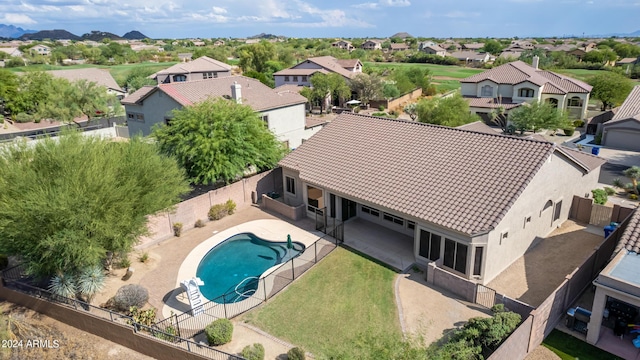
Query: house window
point(547, 205)
point(527, 219)
point(291, 185)
point(504, 235)
point(215, 74)
point(179, 78)
point(429, 245)
point(477, 261)
point(314, 198)
point(486, 91)
point(207, 75)
point(265, 119)
point(286, 79)
point(304, 78)
point(411, 225)
point(393, 218)
point(295, 78)
point(370, 211)
point(525, 92)
point(553, 102)
point(135, 117)
point(557, 210)
point(575, 102)
point(455, 255)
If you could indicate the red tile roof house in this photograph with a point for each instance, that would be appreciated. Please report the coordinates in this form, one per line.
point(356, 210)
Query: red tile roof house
point(201, 68)
point(283, 111)
point(512, 84)
point(623, 130)
point(472, 202)
point(300, 74)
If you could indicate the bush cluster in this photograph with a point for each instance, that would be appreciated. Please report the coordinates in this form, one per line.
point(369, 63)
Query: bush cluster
point(253, 352)
point(599, 196)
point(296, 353)
point(218, 211)
point(129, 296)
point(199, 223)
point(219, 332)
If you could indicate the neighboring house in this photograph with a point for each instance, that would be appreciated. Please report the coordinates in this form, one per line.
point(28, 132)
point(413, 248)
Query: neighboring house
point(627, 61)
point(473, 46)
point(514, 83)
point(203, 67)
point(11, 51)
point(472, 202)
point(41, 50)
point(218, 43)
point(425, 44)
point(185, 57)
point(282, 111)
point(300, 73)
point(519, 46)
point(145, 47)
point(101, 77)
point(198, 43)
point(398, 47)
point(473, 58)
point(450, 44)
point(578, 53)
point(372, 45)
point(510, 54)
point(617, 287)
point(434, 50)
point(341, 44)
point(594, 123)
point(623, 130)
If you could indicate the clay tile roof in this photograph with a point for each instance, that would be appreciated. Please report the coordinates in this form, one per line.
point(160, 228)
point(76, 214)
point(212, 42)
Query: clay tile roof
point(138, 95)
point(491, 103)
point(630, 108)
point(201, 64)
point(450, 177)
point(587, 161)
point(478, 126)
point(604, 117)
point(549, 88)
point(347, 63)
point(99, 76)
point(300, 71)
point(330, 63)
point(254, 93)
point(630, 239)
point(518, 71)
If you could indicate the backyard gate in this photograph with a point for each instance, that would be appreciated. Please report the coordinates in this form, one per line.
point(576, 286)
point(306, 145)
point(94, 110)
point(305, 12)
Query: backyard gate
point(485, 296)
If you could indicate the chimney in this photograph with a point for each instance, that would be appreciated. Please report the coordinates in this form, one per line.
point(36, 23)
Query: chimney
point(535, 61)
point(236, 92)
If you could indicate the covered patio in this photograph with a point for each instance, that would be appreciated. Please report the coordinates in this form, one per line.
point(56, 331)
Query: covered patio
point(388, 246)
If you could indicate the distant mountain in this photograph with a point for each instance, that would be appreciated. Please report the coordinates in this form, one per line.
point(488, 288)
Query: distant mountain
point(134, 35)
point(99, 35)
point(402, 35)
point(264, 36)
point(10, 31)
point(57, 34)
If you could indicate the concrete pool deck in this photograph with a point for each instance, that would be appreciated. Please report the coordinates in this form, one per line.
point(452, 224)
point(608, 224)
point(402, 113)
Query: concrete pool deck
point(268, 229)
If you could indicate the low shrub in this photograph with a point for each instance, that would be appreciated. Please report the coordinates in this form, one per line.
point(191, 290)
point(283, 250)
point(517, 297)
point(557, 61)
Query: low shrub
point(144, 257)
point(199, 223)
point(219, 332)
point(230, 205)
point(598, 138)
point(431, 90)
point(609, 191)
point(578, 123)
point(143, 317)
point(23, 118)
point(253, 352)
point(633, 197)
point(569, 131)
point(599, 196)
point(296, 353)
point(379, 114)
point(124, 262)
point(4, 261)
point(217, 212)
point(130, 295)
point(177, 229)
point(381, 108)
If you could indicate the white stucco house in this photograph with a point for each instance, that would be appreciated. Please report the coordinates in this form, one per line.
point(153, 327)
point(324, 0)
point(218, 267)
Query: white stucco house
point(623, 130)
point(201, 68)
point(514, 83)
point(471, 202)
point(282, 111)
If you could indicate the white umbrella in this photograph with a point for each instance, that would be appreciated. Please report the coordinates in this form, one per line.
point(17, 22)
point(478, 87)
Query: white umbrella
point(353, 102)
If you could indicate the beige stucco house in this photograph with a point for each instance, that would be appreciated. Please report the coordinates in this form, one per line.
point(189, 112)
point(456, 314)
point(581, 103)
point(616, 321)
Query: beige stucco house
point(514, 83)
point(342, 44)
point(473, 202)
point(201, 68)
point(623, 130)
point(300, 74)
point(101, 77)
point(434, 50)
point(372, 44)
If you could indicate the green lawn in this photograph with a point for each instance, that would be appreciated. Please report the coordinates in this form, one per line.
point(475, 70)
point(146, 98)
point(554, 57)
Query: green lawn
point(571, 348)
point(453, 71)
point(580, 74)
point(446, 85)
point(336, 310)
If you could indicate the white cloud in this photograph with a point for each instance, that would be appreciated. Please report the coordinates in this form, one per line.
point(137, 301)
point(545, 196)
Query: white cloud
point(219, 10)
point(13, 18)
point(382, 3)
point(461, 14)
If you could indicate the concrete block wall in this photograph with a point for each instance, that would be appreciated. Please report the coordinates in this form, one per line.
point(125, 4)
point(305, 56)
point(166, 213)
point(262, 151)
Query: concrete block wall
point(517, 344)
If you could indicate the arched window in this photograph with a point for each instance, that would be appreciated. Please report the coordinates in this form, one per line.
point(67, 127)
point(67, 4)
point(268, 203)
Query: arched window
point(553, 102)
point(575, 102)
point(547, 205)
point(526, 92)
point(486, 91)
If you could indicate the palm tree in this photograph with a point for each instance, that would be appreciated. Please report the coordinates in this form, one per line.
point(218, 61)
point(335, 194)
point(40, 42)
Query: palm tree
point(90, 282)
point(63, 285)
point(498, 117)
point(633, 173)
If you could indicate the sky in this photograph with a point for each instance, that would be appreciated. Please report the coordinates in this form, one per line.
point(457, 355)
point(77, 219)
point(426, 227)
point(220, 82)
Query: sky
point(327, 18)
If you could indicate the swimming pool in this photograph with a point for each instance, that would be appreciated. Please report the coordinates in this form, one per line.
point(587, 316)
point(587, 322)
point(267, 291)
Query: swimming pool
point(233, 267)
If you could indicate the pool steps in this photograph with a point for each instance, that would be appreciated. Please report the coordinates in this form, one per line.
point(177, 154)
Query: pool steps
point(196, 299)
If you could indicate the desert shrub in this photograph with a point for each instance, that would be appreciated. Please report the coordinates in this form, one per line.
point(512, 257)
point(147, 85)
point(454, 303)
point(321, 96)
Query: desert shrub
point(144, 257)
point(431, 90)
point(598, 138)
point(217, 212)
point(219, 332)
point(4, 261)
point(633, 197)
point(379, 114)
point(177, 229)
point(599, 196)
point(23, 118)
point(569, 131)
point(253, 352)
point(130, 295)
point(296, 353)
point(143, 317)
point(230, 206)
point(199, 223)
point(609, 191)
point(124, 262)
point(578, 123)
point(381, 108)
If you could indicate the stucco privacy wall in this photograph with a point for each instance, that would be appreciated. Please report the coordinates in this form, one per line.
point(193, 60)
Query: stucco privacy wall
point(517, 344)
point(394, 104)
point(156, 108)
point(160, 226)
point(557, 180)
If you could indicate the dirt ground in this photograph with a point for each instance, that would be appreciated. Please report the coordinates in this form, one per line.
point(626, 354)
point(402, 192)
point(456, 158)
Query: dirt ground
point(64, 341)
point(543, 268)
point(542, 353)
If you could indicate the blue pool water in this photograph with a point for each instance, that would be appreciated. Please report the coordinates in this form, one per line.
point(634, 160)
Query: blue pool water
point(232, 268)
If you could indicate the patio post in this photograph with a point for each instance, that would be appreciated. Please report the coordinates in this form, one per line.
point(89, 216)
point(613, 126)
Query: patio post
point(264, 287)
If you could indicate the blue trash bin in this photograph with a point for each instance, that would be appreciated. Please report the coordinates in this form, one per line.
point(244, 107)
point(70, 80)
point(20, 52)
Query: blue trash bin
point(595, 150)
point(608, 230)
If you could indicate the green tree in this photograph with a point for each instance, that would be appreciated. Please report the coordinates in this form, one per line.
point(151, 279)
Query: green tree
point(498, 117)
point(255, 56)
point(368, 87)
point(633, 173)
point(492, 47)
point(610, 88)
point(390, 91)
point(217, 140)
point(450, 111)
point(537, 116)
point(411, 110)
point(138, 77)
point(8, 87)
point(34, 89)
point(68, 202)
